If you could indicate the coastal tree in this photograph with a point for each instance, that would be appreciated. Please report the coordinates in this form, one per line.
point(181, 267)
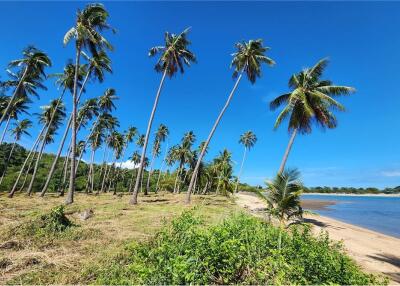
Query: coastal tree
point(173, 56)
point(87, 32)
point(247, 139)
point(309, 101)
point(248, 59)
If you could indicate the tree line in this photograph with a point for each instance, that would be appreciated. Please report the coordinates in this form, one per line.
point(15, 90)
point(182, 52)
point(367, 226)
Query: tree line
point(309, 101)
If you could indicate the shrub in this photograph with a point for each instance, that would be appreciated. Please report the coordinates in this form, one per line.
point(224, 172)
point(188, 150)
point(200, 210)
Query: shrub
point(240, 250)
point(53, 223)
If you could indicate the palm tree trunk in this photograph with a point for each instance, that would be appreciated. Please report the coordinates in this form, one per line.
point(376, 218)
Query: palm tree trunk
point(162, 166)
point(93, 170)
point(84, 145)
point(286, 155)
point(37, 162)
point(5, 130)
point(149, 176)
point(203, 151)
point(133, 200)
point(241, 169)
point(8, 161)
point(7, 110)
point(11, 194)
point(32, 159)
point(71, 190)
point(177, 179)
point(64, 182)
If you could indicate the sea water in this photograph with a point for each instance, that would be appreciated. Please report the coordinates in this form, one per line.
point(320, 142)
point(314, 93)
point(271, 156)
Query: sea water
point(381, 214)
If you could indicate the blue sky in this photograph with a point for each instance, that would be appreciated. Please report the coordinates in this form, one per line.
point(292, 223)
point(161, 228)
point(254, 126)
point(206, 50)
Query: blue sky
point(361, 39)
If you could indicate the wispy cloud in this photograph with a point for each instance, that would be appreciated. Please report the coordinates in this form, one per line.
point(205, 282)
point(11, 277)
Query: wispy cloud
point(129, 165)
point(393, 173)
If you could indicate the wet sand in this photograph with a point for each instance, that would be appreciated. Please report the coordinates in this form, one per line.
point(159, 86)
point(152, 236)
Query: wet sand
point(316, 204)
point(373, 251)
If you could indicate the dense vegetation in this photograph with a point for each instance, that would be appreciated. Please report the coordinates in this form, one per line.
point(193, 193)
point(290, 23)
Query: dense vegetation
point(240, 250)
point(350, 190)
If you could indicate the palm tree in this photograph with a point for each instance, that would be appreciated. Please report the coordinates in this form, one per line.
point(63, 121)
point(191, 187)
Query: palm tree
point(20, 128)
point(65, 81)
point(51, 117)
point(128, 138)
point(223, 168)
point(161, 135)
point(247, 139)
point(174, 55)
point(135, 158)
point(248, 59)
point(283, 198)
point(95, 140)
point(19, 106)
point(32, 67)
point(87, 34)
point(310, 100)
point(116, 143)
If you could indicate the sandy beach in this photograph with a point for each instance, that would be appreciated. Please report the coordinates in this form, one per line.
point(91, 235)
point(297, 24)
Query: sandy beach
point(375, 252)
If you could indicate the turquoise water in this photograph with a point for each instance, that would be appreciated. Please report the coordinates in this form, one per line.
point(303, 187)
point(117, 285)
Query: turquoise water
point(381, 214)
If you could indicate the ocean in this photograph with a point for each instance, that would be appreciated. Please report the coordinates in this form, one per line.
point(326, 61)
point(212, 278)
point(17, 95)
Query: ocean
point(381, 214)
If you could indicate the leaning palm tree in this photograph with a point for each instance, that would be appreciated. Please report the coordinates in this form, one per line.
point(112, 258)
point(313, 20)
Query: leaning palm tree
point(51, 117)
point(20, 128)
point(32, 67)
point(248, 59)
point(90, 22)
point(283, 198)
point(174, 55)
point(161, 135)
point(247, 139)
point(310, 100)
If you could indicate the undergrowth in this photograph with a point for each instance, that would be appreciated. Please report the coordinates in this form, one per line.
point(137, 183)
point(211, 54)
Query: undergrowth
point(240, 250)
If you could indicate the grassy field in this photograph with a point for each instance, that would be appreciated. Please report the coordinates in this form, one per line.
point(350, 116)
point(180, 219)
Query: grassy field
point(38, 259)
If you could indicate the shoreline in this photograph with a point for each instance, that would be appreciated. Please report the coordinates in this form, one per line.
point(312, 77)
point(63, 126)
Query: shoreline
point(375, 252)
point(353, 195)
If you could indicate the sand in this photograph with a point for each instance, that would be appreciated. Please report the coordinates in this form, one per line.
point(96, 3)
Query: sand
point(373, 251)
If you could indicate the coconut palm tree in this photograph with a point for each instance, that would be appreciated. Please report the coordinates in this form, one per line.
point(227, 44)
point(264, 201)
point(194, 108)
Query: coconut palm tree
point(248, 59)
point(310, 100)
point(135, 158)
point(116, 143)
point(247, 139)
point(161, 135)
point(20, 128)
point(223, 168)
point(89, 25)
point(173, 56)
point(19, 106)
point(51, 117)
point(95, 140)
point(283, 198)
point(65, 81)
point(32, 67)
point(128, 138)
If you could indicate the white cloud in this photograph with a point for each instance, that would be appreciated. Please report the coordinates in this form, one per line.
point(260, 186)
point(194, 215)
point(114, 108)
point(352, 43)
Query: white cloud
point(395, 173)
point(128, 165)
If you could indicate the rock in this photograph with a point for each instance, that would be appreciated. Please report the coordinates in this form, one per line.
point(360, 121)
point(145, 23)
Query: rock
point(86, 214)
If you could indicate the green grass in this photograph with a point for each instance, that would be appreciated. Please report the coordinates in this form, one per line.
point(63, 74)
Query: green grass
point(44, 257)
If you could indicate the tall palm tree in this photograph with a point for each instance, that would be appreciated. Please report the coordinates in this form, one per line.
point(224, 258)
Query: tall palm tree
point(135, 158)
point(161, 135)
point(174, 55)
point(247, 139)
point(65, 81)
point(128, 138)
point(20, 128)
point(86, 31)
point(32, 67)
point(248, 59)
point(51, 117)
point(310, 100)
point(223, 168)
point(95, 140)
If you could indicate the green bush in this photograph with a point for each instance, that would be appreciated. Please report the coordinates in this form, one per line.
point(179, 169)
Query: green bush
point(50, 224)
point(240, 250)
